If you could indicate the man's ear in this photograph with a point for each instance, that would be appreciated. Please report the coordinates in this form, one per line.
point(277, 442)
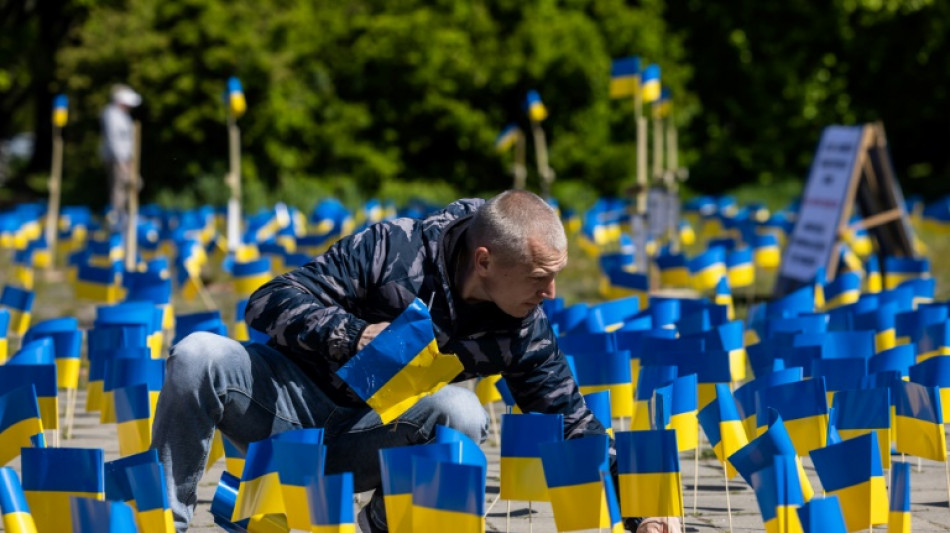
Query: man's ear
point(482, 260)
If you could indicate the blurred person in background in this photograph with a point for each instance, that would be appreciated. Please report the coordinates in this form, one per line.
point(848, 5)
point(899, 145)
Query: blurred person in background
point(116, 151)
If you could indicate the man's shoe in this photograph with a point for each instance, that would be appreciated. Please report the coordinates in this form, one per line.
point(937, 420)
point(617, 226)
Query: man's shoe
point(365, 523)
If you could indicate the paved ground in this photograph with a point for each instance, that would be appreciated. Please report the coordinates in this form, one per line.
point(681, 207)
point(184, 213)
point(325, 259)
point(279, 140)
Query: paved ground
point(928, 496)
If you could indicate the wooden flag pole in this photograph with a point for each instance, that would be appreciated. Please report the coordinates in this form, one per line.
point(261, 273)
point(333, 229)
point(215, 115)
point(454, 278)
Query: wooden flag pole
point(70, 413)
point(725, 476)
point(507, 516)
point(541, 156)
point(946, 467)
point(494, 423)
point(55, 185)
point(695, 478)
point(530, 521)
point(131, 237)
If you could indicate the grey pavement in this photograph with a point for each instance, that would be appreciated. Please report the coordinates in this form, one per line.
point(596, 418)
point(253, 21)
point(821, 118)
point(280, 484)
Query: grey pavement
point(929, 493)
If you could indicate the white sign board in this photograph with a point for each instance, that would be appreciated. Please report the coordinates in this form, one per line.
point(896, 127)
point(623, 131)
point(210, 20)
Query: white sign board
point(816, 228)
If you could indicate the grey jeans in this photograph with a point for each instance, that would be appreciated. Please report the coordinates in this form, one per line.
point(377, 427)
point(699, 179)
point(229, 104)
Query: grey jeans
point(251, 392)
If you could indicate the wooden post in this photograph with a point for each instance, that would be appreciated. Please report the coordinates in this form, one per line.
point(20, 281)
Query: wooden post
point(234, 182)
point(640, 206)
point(131, 237)
point(541, 156)
point(55, 185)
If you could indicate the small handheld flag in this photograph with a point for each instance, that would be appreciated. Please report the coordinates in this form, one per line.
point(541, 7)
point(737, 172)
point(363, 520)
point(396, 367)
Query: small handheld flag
point(401, 365)
point(236, 102)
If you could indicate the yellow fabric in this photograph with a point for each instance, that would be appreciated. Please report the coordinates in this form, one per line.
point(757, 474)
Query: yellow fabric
point(19, 522)
point(94, 396)
point(920, 438)
point(297, 506)
point(863, 505)
point(785, 521)
point(135, 436)
point(399, 512)
point(621, 397)
point(687, 430)
point(335, 528)
point(522, 479)
point(18, 436)
point(425, 374)
point(261, 495)
point(706, 279)
point(427, 519)
point(738, 362)
point(216, 452)
point(486, 390)
point(898, 522)
point(67, 372)
point(50, 509)
point(885, 340)
point(49, 411)
point(808, 433)
point(574, 506)
point(155, 521)
point(658, 494)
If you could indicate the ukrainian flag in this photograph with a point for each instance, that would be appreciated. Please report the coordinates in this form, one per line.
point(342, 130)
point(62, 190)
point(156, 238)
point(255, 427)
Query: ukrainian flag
point(396, 472)
point(673, 270)
point(248, 276)
point(918, 421)
point(4, 323)
point(621, 284)
point(624, 77)
point(873, 283)
point(724, 296)
point(804, 409)
point(707, 267)
point(740, 267)
point(767, 254)
point(51, 476)
point(133, 414)
point(898, 518)
point(822, 515)
point(20, 422)
point(684, 406)
point(649, 469)
point(859, 412)
point(574, 470)
point(650, 89)
point(16, 513)
point(779, 494)
point(43, 378)
point(331, 503)
point(19, 302)
point(897, 270)
point(23, 268)
point(507, 138)
point(934, 372)
point(534, 107)
point(934, 341)
point(899, 358)
point(126, 371)
point(651, 377)
point(723, 427)
point(686, 233)
point(522, 473)
point(147, 483)
point(117, 481)
point(237, 105)
point(447, 496)
point(60, 110)
point(844, 290)
point(759, 453)
point(233, 457)
point(401, 365)
point(67, 347)
point(610, 371)
point(851, 470)
point(100, 284)
point(91, 515)
point(883, 321)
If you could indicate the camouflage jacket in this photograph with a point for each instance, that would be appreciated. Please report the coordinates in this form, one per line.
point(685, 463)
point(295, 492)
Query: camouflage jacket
point(316, 314)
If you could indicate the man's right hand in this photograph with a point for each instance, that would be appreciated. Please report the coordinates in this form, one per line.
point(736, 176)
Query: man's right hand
point(370, 333)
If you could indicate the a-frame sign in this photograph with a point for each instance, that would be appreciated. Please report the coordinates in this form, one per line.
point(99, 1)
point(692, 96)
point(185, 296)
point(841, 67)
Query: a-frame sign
point(851, 166)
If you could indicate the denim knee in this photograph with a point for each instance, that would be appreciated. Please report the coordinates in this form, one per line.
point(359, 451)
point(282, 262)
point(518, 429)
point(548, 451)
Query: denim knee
point(460, 409)
point(196, 359)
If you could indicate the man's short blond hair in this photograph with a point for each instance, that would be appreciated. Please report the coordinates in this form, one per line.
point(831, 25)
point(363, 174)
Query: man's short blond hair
point(506, 223)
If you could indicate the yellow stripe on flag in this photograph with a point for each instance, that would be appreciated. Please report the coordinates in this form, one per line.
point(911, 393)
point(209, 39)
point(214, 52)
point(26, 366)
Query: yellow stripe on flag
point(19, 522)
point(621, 397)
point(18, 436)
point(399, 512)
point(522, 479)
point(427, 519)
point(659, 494)
point(864, 504)
point(50, 509)
point(261, 495)
point(155, 521)
point(574, 507)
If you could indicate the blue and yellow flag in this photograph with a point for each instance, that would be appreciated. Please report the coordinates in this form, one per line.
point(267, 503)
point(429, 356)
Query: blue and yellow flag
point(447, 496)
point(250, 275)
point(67, 347)
point(147, 483)
point(873, 282)
point(650, 84)
point(918, 422)
point(767, 253)
point(133, 416)
point(237, 105)
point(122, 372)
point(651, 377)
point(724, 296)
point(610, 371)
point(534, 107)
point(741, 268)
point(843, 290)
point(401, 365)
point(51, 476)
point(574, 470)
point(682, 412)
point(862, 411)
point(898, 518)
point(397, 481)
point(934, 372)
point(98, 283)
point(758, 454)
point(522, 473)
point(90, 515)
point(723, 427)
point(20, 423)
point(851, 470)
point(707, 268)
point(673, 269)
point(599, 405)
point(19, 302)
point(779, 494)
point(16, 513)
point(117, 487)
point(43, 379)
point(649, 468)
point(507, 138)
point(624, 77)
point(803, 407)
point(822, 515)
point(331, 503)
point(934, 340)
point(60, 110)
point(897, 270)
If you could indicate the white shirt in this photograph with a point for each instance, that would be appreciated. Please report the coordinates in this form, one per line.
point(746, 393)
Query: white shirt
point(116, 134)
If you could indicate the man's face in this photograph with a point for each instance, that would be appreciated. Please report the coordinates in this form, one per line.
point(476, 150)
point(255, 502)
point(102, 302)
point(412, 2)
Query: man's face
point(518, 288)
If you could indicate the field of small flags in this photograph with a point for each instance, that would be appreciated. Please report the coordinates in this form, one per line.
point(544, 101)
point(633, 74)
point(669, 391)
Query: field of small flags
point(844, 380)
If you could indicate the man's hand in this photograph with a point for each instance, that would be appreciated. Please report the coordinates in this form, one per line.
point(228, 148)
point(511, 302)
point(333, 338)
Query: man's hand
point(660, 525)
point(370, 333)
